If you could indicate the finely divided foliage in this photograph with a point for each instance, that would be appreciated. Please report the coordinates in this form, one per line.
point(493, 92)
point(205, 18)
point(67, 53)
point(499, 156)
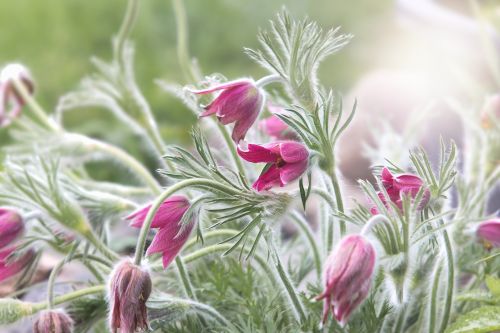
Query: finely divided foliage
point(418, 255)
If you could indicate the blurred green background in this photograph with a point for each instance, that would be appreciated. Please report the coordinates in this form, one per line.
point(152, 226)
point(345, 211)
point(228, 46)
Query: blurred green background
point(56, 38)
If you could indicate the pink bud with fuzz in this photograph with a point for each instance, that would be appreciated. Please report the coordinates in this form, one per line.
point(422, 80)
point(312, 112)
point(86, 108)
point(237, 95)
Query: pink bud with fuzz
point(347, 276)
point(129, 290)
point(53, 321)
point(11, 101)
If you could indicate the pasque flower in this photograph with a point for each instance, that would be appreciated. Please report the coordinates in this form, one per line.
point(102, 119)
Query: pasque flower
point(396, 186)
point(287, 161)
point(53, 321)
point(129, 289)
point(11, 265)
point(11, 101)
point(11, 226)
point(347, 277)
point(239, 102)
point(489, 232)
point(275, 127)
point(171, 235)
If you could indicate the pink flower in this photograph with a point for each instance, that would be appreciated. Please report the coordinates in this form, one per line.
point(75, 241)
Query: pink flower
point(171, 235)
point(287, 161)
point(489, 232)
point(11, 101)
point(129, 290)
point(347, 276)
point(239, 102)
point(395, 186)
point(10, 265)
point(11, 226)
point(275, 127)
point(53, 321)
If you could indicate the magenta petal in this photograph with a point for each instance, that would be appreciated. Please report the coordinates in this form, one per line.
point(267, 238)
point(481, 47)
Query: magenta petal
point(490, 232)
point(292, 171)
point(169, 241)
point(9, 268)
point(225, 85)
point(257, 154)
point(292, 152)
point(171, 210)
point(268, 179)
point(387, 176)
point(242, 125)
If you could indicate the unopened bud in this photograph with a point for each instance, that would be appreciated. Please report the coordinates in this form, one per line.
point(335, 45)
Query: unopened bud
point(11, 101)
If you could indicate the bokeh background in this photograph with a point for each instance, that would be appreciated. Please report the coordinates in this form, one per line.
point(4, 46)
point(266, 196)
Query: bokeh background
point(404, 55)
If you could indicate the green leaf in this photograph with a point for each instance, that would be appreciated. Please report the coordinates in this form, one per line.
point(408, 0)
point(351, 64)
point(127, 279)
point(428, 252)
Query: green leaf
point(481, 320)
point(493, 284)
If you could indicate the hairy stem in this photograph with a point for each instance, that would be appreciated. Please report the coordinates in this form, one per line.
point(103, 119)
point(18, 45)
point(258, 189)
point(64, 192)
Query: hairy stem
point(70, 296)
point(308, 233)
point(295, 302)
point(127, 24)
point(100, 246)
point(182, 41)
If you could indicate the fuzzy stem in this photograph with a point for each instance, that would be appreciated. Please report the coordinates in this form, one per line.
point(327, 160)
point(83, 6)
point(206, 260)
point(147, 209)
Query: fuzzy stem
point(325, 196)
point(308, 233)
point(70, 296)
point(182, 41)
point(338, 198)
point(127, 24)
point(188, 288)
point(230, 145)
point(34, 106)
point(451, 281)
point(141, 243)
point(268, 80)
point(295, 301)
point(434, 291)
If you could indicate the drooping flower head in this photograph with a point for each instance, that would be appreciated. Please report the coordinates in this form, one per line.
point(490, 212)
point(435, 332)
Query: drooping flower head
point(347, 276)
point(403, 184)
point(239, 102)
point(489, 232)
point(275, 127)
point(287, 161)
point(11, 265)
point(53, 321)
point(129, 289)
point(11, 226)
point(171, 235)
point(11, 101)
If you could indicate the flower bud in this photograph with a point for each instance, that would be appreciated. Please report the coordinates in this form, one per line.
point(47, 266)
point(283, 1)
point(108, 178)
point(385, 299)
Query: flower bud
point(347, 276)
point(11, 101)
point(11, 226)
point(10, 265)
point(287, 160)
point(275, 127)
point(53, 321)
point(489, 233)
point(129, 289)
point(239, 102)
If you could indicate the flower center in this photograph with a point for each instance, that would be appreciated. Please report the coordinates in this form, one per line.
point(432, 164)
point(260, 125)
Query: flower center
point(280, 162)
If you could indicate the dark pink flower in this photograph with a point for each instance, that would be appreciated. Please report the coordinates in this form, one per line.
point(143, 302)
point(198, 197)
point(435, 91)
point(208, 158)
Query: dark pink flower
point(347, 276)
point(275, 127)
point(396, 186)
point(11, 265)
point(53, 321)
point(11, 101)
point(129, 289)
point(239, 102)
point(171, 235)
point(287, 161)
point(11, 226)
point(489, 232)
